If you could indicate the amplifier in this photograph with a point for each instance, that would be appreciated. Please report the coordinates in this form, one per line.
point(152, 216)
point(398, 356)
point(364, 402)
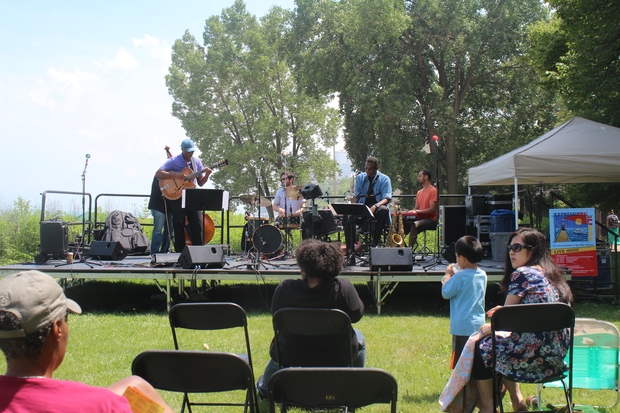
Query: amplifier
point(54, 238)
point(391, 259)
point(453, 221)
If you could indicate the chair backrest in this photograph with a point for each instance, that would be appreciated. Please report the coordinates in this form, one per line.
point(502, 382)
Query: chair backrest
point(332, 387)
point(196, 372)
point(209, 316)
point(313, 337)
point(536, 318)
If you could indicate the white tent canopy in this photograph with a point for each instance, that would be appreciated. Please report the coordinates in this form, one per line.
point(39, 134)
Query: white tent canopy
point(578, 151)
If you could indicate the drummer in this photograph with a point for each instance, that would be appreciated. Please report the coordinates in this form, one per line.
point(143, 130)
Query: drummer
point(288, 200)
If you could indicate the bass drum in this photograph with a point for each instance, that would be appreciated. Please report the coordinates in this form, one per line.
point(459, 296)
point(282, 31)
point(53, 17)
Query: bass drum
point(267, 239)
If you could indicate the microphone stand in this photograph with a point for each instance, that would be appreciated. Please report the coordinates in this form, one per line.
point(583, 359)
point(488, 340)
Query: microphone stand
point(257, 260)
point(286, 218)
point(82, 244)
point(439, 226)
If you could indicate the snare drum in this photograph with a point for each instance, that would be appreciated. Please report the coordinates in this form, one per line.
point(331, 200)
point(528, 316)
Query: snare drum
point(288, 222)
point(267, 239)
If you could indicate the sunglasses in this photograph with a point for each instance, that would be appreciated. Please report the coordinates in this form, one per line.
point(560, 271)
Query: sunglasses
point(516, 247)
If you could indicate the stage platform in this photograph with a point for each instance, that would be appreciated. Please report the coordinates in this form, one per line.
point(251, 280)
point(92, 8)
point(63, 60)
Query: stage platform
point(162, 268)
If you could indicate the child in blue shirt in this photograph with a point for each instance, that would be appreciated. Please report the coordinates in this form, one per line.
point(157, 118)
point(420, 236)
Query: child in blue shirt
point(464, 284)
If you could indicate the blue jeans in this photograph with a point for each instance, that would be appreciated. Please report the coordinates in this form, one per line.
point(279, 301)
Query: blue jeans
point(272, 366)
point(160, 241)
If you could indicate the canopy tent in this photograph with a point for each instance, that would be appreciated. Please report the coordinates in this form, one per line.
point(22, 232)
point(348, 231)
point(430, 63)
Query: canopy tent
point(578, 151)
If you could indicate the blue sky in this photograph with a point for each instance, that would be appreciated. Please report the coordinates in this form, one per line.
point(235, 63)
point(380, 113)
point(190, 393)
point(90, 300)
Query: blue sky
point(81, 77)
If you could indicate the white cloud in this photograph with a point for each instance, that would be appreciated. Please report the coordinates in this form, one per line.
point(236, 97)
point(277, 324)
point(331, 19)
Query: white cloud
point(59, 86)
point(158, 49)
point(122, 61)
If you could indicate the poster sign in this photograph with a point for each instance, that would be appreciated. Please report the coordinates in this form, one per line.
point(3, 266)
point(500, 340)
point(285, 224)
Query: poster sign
point(573, 240)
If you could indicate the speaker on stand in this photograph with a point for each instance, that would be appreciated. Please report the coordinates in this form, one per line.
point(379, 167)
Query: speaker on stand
point(54, 241)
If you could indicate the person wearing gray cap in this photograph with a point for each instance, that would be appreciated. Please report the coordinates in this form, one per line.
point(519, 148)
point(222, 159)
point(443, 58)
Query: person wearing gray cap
point(172, 171)
point(33, 337)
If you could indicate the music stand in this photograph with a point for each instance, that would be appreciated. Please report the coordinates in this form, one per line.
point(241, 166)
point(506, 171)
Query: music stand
point(351, 210)
point(205, 199)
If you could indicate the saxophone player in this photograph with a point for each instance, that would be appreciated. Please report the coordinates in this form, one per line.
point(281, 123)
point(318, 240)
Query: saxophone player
point(374, 189)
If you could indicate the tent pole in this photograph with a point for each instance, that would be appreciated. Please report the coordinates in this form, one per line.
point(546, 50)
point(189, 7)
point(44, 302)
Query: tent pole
point(516, 201)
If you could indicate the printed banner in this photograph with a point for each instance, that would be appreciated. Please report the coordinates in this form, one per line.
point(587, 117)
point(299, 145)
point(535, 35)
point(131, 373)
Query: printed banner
point(573, 240)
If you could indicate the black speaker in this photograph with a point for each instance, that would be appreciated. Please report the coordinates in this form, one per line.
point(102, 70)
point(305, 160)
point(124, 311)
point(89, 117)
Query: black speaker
point(202, 256)
point(54, 238)
point(107, 250)
point(391, 259)
point(453, 223)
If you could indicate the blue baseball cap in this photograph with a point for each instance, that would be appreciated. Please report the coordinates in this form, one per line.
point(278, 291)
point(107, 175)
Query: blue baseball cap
point(188, 145)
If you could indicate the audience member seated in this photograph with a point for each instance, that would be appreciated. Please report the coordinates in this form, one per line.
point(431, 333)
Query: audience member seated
point(530, 276)
point(33, 337)
point(319, 263)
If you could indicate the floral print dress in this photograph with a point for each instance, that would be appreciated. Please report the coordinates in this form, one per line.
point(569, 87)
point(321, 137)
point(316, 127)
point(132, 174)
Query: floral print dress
point(516, 352)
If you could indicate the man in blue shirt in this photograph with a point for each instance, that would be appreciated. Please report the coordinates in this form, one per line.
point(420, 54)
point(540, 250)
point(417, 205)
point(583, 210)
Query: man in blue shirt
point(373, 189)
point(177, 168)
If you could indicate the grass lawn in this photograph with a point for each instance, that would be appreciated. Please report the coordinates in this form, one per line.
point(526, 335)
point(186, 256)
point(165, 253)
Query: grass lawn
point(410, 339)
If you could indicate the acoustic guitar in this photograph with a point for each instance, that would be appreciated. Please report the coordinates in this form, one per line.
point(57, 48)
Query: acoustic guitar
point(172, 188)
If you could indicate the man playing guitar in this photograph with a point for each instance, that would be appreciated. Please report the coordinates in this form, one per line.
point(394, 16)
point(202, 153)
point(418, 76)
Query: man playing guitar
point(173, 169)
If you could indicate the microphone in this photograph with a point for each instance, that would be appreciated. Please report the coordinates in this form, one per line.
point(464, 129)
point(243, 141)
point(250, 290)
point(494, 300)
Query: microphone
point(435, 139)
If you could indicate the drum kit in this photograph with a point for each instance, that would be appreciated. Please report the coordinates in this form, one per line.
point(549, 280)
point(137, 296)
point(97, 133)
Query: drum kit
point(261, 236)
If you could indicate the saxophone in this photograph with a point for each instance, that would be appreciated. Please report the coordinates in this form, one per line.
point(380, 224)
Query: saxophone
point(396, 236)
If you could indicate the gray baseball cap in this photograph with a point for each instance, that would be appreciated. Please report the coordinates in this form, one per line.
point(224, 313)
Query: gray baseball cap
point(35, 299)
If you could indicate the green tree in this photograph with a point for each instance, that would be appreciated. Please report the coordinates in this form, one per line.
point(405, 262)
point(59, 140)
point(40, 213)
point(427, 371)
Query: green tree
point(577, 52)
point(19, 233)
point(237, 98)
point(405, 71)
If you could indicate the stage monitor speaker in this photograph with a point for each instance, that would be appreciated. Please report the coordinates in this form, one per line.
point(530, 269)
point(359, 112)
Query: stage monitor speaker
point(391, 259)
point(54, 238)
point(107, 250)
point(202, 256)
point(453, 223)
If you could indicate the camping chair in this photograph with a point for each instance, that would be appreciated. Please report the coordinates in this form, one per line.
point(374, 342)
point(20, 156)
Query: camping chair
point(313, 337)
point(595, 358)
point(534, 318)
point(210, 316)
point(197, 372)
point(324, 388)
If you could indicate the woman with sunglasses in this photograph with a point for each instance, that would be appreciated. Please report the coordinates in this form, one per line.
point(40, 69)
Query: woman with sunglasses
point(530, 276)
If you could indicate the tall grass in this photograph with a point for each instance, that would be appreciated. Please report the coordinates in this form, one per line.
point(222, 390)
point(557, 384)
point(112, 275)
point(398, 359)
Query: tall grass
point(410, 339)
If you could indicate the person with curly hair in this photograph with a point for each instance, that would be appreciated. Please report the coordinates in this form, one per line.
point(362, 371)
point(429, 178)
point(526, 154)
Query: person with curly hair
point(530, 276)
point(320, 263)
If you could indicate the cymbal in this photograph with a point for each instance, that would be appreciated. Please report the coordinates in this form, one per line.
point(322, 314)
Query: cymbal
point(255, 200)
point(293, 192)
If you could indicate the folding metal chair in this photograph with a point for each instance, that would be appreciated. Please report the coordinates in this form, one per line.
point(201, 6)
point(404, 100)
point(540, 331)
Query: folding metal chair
point(535, 318)
point(197, 372)
point(595, 358)
point(210, 317)
point(313, 337)
point(322, 388)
